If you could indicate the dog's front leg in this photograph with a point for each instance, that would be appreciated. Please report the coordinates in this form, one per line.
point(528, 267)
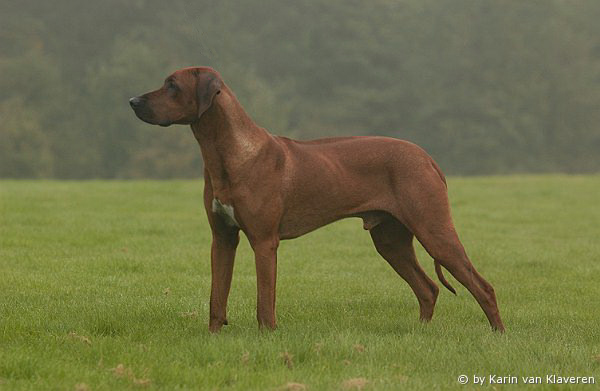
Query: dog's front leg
point(265, 253)
point(222, 255)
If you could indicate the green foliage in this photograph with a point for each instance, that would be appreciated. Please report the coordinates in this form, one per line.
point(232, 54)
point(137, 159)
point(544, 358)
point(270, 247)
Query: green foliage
point(485, 87)
point(24, 147)
point(97, 274)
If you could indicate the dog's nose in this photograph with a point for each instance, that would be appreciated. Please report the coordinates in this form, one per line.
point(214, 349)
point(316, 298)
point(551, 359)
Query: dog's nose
point(135, 102)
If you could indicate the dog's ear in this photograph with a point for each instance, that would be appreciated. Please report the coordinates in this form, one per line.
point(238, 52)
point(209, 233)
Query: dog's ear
point(207, 86)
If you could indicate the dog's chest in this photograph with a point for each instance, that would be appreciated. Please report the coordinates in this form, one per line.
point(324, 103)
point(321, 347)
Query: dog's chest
point(224, 211)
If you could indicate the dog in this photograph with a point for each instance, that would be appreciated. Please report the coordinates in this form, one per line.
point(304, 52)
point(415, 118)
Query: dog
point(274, 188)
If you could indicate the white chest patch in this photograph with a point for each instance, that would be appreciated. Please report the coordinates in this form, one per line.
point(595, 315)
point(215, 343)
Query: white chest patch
point(225, 211)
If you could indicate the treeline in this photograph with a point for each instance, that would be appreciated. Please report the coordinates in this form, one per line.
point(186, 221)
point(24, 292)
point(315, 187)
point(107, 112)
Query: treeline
point(485, 86)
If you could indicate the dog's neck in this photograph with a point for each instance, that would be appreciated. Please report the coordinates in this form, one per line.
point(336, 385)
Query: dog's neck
point(228, 138)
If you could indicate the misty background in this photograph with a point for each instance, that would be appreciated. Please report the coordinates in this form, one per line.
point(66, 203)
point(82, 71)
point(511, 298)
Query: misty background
point(486, 87)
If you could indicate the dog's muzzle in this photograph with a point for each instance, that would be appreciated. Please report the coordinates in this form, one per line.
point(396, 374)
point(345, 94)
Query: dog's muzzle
point(142, 110)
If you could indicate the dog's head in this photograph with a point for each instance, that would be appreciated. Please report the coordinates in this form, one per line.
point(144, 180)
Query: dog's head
point(184, 97)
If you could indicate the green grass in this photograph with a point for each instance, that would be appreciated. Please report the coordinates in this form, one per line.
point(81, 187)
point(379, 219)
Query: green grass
point(97, 274)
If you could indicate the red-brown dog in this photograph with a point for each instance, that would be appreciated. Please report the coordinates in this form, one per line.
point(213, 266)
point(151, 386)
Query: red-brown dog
point(274, 188)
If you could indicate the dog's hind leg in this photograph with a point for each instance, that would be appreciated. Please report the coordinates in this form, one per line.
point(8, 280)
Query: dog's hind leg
point(445, 247)
point(431, 223)
point(425, 210)
point(393, 242)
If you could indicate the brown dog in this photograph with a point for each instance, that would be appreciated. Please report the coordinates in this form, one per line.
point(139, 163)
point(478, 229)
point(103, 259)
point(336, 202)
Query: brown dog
point(274, 188)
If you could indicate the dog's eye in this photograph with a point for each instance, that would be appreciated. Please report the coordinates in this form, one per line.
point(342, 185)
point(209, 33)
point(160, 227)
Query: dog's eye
point(172, 87)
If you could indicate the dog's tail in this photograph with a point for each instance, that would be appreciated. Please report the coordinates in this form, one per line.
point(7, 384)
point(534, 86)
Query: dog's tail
point(438, 271)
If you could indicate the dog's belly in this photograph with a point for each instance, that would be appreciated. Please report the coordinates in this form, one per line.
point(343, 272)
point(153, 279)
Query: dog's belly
point(293, 226)
point(297, 227)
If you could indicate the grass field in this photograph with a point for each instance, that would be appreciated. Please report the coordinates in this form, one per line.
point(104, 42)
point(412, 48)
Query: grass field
point(105, 285)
